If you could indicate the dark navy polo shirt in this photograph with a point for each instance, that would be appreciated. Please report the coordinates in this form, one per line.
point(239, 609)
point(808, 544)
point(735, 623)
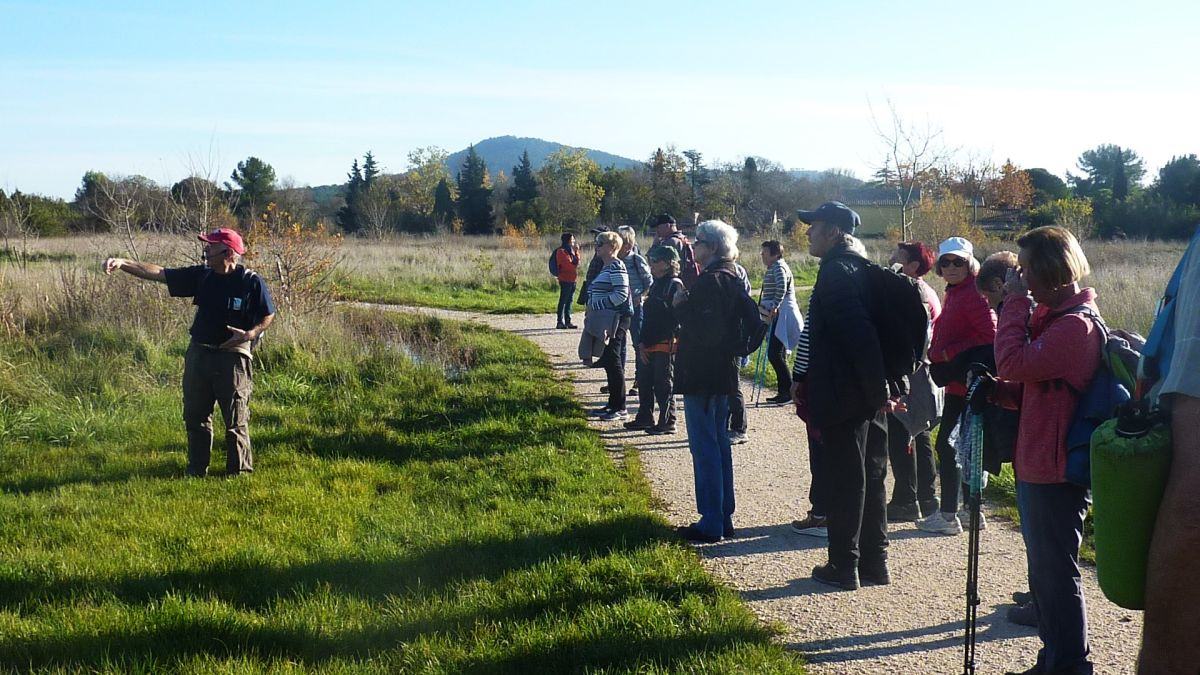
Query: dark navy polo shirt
point(238, 299)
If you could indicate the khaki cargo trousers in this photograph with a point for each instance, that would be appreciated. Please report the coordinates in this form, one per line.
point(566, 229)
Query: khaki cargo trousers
point(224, 378)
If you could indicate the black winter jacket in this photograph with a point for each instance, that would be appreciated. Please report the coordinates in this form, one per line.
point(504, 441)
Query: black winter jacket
point(846, 379)
point(705, 362)
point(658, 316)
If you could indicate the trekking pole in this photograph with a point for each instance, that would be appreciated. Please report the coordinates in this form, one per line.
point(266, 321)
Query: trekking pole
point(760, 370)
point(974, 440)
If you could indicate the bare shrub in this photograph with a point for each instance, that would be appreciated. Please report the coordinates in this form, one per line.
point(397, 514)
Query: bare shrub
point(300, 263)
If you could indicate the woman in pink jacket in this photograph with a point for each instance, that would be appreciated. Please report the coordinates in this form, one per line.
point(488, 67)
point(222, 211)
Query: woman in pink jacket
point(966, 322)
point(1045, 353)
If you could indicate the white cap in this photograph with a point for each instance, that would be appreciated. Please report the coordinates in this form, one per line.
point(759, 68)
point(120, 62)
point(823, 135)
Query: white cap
point(956, 246)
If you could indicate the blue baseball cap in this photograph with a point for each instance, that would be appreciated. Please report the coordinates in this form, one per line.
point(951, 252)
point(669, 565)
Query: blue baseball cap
point(834, 213)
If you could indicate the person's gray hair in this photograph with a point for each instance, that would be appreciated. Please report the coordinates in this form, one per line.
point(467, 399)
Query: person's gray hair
point(721, 237)
point(628, 235)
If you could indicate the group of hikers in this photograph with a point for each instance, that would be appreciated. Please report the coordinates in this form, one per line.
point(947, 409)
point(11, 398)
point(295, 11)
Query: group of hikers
point(1019, 327)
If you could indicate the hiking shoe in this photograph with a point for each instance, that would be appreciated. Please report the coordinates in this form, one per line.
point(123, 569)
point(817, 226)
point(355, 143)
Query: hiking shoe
point(903, 513)
point(965, 518)
point(615, 415)
point(1022, 597)
point(832, 575)
point(812, 526)
point(780, 399)
point(875, 574)
point(929, 506)
point(737, 438)
point(1024, 615)
point(560, 326)
point(571, 325)
point(637, 424)
point(940, 523)
point(661, 430)
point(633, 391)
point(693, 533)
point(604, 389)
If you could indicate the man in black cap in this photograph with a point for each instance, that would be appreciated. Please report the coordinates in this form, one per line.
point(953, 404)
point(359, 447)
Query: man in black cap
point(846, 390)
point(666, 232)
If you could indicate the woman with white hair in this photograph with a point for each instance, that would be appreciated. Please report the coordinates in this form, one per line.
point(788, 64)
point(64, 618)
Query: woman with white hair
point(966, 322)
point(610, 291)
point(706, 374)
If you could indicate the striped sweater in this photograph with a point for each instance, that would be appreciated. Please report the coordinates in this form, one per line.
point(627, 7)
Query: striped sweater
point(610, 288)
point(800, 367)
point(777, 285)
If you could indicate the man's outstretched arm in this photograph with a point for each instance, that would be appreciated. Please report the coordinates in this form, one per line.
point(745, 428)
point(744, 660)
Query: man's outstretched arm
point(141, 270)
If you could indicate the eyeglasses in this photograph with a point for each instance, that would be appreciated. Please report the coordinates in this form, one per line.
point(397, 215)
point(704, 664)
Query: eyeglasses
point(952, 262)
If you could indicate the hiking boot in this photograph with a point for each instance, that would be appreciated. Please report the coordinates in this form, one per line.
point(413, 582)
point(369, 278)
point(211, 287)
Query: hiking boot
point(1024, 615)
point(940, 523)
point(780, 399)
point(965, 518)
point(560, 326)
point(1022, 597)
point(832, 575)
point(633, 391)
point(737, 438)
point(604, 389)
point(662, 429)
point(875, 574)
point(638, 424)
point(903, 513)
point(812, 526)
point(693, 533)
point(929, 506)
point(571, 325)
point(615, 416)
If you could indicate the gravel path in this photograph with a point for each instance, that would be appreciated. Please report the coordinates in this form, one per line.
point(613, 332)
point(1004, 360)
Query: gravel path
point(912, 626)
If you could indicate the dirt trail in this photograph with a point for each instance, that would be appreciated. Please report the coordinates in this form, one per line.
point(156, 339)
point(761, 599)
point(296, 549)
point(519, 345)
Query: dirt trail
point(912, 626)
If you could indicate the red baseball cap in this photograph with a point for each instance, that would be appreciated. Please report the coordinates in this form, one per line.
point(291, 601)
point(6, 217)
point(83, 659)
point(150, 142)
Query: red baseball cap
point(225, 236)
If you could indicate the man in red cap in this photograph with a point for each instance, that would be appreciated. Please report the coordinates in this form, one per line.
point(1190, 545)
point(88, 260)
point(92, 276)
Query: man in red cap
point(233, 308)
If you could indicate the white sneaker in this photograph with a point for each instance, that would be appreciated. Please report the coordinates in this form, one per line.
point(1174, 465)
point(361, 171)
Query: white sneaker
point(737, 438)
point(939, 523)
point(964, 517)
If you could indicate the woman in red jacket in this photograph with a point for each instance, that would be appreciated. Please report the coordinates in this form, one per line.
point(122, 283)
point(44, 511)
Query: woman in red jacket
point(966, 322)
point(1045, 353)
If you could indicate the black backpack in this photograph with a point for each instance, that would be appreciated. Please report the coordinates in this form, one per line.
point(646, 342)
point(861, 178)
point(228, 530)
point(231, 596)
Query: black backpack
point(748, 330)
point(554, 263)
point(901, 319)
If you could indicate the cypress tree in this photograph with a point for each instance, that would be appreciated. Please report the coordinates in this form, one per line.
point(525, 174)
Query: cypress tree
point(474, 195)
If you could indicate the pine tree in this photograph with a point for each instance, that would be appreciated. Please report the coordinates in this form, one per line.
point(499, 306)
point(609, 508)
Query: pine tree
point(524, 185)
point(474, 195)
point(347, 216)
point(369, 169)
point(443, 203)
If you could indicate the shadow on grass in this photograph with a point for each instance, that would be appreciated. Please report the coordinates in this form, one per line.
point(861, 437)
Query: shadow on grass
point(160, 468)
point(253, 584)
point(173, 632)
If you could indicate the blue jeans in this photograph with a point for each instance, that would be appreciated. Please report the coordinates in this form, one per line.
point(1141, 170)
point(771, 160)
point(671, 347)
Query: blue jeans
point(707, 418)
point(566, 293)
point(1052, 526)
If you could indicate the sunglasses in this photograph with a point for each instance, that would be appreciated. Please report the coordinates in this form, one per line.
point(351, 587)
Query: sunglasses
point(952, 262)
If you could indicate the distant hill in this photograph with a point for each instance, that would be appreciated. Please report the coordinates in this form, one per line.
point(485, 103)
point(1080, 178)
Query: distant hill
point(504, 152)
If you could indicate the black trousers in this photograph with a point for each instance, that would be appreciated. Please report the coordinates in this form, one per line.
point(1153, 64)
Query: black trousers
point(818, 488)
point(614, 368)
point(737, 412)
point(951, 474)
point(656, 385)
point(856, 455)
point(912, 464)
point(777, 355)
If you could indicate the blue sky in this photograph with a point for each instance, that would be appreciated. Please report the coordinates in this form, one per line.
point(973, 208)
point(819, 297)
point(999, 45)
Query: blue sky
point(162, 88)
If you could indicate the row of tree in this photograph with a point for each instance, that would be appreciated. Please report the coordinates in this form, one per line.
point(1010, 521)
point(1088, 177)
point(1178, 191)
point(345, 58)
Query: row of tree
point(571, 192)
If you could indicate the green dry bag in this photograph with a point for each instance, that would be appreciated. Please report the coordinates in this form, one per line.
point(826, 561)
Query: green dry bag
point(1131, 458)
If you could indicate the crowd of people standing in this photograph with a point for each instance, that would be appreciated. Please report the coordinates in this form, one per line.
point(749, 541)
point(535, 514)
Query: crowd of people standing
point(1014, 322)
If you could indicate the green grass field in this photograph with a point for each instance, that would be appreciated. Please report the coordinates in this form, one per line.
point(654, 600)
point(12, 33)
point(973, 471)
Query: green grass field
point(427, 498)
